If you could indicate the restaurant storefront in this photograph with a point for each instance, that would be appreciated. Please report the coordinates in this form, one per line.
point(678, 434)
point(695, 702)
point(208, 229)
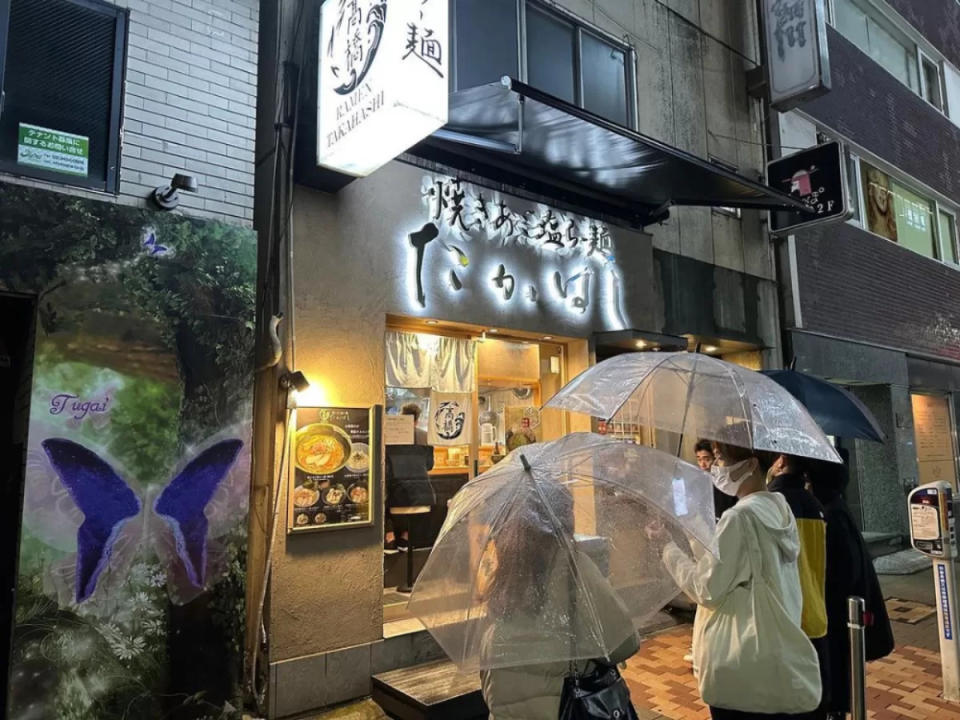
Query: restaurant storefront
point(472, 277)
point(420, 286)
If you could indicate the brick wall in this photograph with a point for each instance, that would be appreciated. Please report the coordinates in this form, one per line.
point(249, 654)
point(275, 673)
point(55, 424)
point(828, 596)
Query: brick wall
point(857, 285)
point(190, 104)
point(937, 20)
point(870, 106)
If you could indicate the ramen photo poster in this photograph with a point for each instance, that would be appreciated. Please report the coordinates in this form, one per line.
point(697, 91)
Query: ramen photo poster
point(333, 453)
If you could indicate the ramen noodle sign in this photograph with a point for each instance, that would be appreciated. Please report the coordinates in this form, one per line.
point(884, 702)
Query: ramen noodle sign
point(333, 456)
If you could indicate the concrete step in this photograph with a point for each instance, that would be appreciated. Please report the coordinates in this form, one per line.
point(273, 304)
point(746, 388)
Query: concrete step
point(884, 543)
point(433, 691)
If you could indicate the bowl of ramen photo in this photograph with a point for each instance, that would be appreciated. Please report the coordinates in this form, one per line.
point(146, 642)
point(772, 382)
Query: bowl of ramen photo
point(334, 495)
point(302, 519)
point(319, 519)
point(322, 449)
point(304, 497)
point(358, 493)
point(359, 460)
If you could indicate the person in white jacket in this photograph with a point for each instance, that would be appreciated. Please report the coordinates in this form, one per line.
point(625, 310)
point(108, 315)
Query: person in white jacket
point(754, 659)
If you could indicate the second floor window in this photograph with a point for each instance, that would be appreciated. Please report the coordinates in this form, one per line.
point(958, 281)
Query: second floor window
point(556, 54)
point(862, 27)
point(892, 209)
point(891, 47)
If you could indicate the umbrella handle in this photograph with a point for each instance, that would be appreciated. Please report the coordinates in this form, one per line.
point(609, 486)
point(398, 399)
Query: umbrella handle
point(525, 462)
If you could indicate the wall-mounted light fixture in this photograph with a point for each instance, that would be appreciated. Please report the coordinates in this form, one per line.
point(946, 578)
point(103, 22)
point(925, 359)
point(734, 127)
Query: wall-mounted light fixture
point(167, 197)
point(294, 381)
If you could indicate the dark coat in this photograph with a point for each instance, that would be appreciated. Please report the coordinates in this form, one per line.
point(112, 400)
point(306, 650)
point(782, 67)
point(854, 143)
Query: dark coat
point(408, 484)
point(850, 571)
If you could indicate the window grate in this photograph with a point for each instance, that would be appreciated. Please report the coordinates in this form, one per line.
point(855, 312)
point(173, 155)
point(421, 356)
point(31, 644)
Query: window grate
point(63, 73)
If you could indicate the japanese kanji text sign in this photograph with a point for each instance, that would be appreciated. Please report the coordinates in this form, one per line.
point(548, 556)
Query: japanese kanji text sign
point(797, 59)
point(383, 80)
point(53, 150)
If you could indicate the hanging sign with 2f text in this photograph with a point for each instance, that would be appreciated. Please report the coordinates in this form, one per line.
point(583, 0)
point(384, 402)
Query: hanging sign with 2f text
point(817, 178)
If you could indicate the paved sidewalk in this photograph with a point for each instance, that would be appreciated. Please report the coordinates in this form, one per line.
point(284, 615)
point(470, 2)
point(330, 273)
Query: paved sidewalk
point(904, 686)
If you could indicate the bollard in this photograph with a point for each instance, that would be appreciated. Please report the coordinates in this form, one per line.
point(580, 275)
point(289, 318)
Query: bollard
point(856, 608)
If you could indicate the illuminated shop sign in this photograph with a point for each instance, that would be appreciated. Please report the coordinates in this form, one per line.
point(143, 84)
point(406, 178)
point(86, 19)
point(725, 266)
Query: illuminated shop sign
point(383, 80)
point(476, 247)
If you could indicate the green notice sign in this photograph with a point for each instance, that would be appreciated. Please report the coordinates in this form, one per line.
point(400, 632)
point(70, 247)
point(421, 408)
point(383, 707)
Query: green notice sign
point(53, 150)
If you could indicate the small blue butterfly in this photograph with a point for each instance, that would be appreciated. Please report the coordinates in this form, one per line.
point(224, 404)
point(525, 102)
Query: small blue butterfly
point(153, 247)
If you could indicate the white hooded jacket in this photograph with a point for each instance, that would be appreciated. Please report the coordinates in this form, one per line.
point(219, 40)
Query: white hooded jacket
point(724, 586)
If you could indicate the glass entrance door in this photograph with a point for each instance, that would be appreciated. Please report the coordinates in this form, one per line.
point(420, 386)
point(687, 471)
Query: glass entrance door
point(935, 438)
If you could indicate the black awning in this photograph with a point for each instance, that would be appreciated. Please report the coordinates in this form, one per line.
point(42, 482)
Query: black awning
point(523, 137)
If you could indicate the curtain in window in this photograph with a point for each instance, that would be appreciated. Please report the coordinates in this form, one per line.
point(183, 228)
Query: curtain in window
point(443, 364)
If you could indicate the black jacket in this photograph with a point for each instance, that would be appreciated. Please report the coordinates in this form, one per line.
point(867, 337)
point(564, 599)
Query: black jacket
point(850, 571)
point(408, 484)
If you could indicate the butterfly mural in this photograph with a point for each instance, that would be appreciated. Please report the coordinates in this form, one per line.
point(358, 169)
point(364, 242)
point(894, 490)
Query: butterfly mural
point(114, 526)
point(152, 246)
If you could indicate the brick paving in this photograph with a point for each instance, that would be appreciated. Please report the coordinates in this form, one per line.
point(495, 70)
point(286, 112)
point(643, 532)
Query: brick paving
point(904, 686)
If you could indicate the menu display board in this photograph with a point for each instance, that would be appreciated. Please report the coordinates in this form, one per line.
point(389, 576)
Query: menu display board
point(334, 456)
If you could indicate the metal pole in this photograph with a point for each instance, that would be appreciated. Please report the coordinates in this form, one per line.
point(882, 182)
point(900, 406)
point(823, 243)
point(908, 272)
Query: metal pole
point(858, 658)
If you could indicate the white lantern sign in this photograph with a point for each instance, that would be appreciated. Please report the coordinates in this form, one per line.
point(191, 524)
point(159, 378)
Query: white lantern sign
point(384, 80)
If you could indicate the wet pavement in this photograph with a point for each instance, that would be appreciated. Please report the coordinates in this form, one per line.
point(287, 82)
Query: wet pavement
point(904, 686)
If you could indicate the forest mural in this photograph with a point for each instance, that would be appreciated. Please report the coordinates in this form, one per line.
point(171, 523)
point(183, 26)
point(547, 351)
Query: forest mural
point(132, 557)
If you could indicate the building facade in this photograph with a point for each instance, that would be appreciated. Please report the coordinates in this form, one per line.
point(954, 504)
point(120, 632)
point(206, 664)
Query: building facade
point(441, 255)
point(126, 354)
point(871, 302)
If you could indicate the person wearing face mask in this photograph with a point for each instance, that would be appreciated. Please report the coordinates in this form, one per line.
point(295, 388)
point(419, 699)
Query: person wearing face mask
point(721, 501)
point(754, 659)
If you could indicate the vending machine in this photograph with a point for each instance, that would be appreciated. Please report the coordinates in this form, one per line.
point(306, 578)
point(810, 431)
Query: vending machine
point(933, 532)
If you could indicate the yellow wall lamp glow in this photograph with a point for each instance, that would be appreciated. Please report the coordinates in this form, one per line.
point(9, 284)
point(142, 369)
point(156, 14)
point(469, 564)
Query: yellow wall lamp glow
point(301, 392)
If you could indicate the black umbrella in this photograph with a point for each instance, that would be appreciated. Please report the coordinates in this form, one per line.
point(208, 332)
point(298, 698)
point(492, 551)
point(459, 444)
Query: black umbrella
point(837, 410)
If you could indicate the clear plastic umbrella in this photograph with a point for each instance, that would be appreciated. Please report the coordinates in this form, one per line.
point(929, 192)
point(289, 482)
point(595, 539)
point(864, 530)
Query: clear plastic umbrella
point(543, 558)
point(697, 396)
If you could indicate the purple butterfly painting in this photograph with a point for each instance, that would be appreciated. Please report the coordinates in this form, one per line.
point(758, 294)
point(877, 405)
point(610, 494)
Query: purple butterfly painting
point(152, 246)
point(111, 511)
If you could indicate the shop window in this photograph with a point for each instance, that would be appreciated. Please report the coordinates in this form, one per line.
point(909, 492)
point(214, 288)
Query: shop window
point(559, 55)
point(914, 220)
point(866, 28)
point(486, 41)
point(61, 68)
point(948, 236)
point(898, 213)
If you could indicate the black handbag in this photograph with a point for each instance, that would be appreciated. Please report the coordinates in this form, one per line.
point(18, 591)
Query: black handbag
point(599, 693)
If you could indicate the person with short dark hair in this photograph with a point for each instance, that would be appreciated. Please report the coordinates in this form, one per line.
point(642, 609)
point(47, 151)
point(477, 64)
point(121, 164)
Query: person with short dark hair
point(850, 571)
point(754, 659)
point(419, 435)
point(721, 501)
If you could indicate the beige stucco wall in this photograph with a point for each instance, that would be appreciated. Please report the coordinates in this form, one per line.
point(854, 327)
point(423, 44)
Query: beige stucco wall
point(351, 269)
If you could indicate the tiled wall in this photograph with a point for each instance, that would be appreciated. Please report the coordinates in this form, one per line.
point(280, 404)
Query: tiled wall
point(870, 106)
point(190, 104)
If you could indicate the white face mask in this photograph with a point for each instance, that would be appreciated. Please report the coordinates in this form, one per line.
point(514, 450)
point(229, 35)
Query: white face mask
point(729, 478)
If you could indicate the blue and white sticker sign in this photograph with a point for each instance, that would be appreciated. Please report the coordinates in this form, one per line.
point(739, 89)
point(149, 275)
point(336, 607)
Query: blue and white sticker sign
point(944, 594)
